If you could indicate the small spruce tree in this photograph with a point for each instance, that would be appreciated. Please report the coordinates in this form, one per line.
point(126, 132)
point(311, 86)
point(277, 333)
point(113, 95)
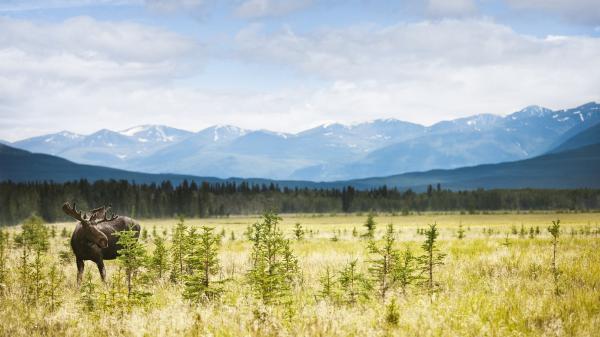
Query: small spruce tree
point(298, 232)
point(531, 233)
point(383, 261)
point(273, 264)
point(461, 232)
point(555, 232)
point(354, 284)
point(405, 270)
point(178, 250)
point(392, 313)
point(55, 280)
point(32, 240)
point(132, 256)
point(327, 281)
point(370, 226)
point(204, 260)
point(159, 261)
point(431, 256)
point(88, 296)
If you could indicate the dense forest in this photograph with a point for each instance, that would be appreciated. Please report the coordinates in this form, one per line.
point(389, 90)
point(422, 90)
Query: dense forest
point(19, 200)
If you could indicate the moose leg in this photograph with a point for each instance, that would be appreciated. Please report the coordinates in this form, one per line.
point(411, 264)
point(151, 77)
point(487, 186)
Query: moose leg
point(80, 267)
point(101, 269)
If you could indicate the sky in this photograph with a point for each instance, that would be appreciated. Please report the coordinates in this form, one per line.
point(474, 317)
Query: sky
point(84, 65)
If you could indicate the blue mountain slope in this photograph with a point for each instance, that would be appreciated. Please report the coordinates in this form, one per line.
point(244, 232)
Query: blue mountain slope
point(328, 152)
point(23, 166)
point(589, 136)
point(576, 168)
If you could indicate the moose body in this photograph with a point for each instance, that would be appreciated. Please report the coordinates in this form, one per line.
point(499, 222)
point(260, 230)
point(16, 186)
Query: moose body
point(96, 241)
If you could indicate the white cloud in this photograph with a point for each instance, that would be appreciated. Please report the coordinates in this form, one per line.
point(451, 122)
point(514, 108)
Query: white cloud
point(578, 11)
point(263, 8)
point(433, 70)
point(83, 75)
point(88, 50)
point(450, 8)
point(46, 69)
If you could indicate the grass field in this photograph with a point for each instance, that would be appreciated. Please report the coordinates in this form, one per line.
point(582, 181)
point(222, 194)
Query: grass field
point(493, 282)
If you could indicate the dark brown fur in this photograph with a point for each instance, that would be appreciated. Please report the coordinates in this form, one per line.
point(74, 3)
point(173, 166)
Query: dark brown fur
point(96, 242)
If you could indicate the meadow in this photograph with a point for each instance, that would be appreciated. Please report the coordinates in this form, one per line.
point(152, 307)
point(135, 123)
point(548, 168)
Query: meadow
point(496, 279)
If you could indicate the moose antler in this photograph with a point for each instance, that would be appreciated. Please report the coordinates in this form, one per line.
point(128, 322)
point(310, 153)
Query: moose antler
point(100, 213)
point(103, 212)
point(73, 213)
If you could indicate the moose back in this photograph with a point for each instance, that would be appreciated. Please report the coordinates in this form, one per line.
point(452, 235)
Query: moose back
point(93, 238)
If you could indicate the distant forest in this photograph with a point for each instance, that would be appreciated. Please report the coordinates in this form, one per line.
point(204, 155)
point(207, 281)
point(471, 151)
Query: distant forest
point(19, 200)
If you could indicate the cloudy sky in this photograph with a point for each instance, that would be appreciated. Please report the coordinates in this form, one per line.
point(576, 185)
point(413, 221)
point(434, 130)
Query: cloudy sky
point(83, 65)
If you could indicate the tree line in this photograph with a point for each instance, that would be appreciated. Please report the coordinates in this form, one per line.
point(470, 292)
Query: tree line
point(20, 200)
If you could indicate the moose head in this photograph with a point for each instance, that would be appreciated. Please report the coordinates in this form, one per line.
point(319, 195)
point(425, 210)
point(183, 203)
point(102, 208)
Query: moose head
point(89, 229)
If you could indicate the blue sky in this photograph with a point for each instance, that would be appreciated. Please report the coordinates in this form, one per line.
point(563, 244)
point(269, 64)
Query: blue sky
point(83, 65)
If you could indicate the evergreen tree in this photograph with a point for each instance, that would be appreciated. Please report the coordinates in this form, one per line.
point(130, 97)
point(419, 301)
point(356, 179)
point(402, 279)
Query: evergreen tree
point(554, 230)
point(55, 279)
point(405, 270)
point(191, 241)
point(382, 265)
point(66, 255)
point(33, 239)
point(178, 250)
point(370, 226)
point(159, 262)
point(87, 298)
point(327, 281)
point(392, 314)
point(298, 232)
point(131, 257)
point(273, 264)
point(114, 299)
point(354, 284)
point(431, 256)
point(461, 232)
point(64, 233)
point(204, 261)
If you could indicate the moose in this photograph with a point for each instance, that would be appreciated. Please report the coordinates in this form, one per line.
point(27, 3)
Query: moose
point(93, 238)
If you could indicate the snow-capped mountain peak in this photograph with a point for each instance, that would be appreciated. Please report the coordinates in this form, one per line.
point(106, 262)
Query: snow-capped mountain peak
point(531, 111)
point(327, 151)
point(155, 133)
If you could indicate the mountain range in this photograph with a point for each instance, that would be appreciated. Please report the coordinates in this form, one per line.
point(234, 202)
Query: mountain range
point(573, 164)
point(330, 152)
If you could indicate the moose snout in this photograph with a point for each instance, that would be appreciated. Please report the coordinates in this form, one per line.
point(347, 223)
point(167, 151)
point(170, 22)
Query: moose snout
point(103, 243)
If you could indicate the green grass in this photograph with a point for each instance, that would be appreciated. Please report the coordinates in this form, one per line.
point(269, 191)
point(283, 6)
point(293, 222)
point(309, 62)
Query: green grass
point(486, 288)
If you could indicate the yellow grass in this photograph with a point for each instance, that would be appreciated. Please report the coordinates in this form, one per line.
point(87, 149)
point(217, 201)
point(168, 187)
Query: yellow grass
point(487, 288)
